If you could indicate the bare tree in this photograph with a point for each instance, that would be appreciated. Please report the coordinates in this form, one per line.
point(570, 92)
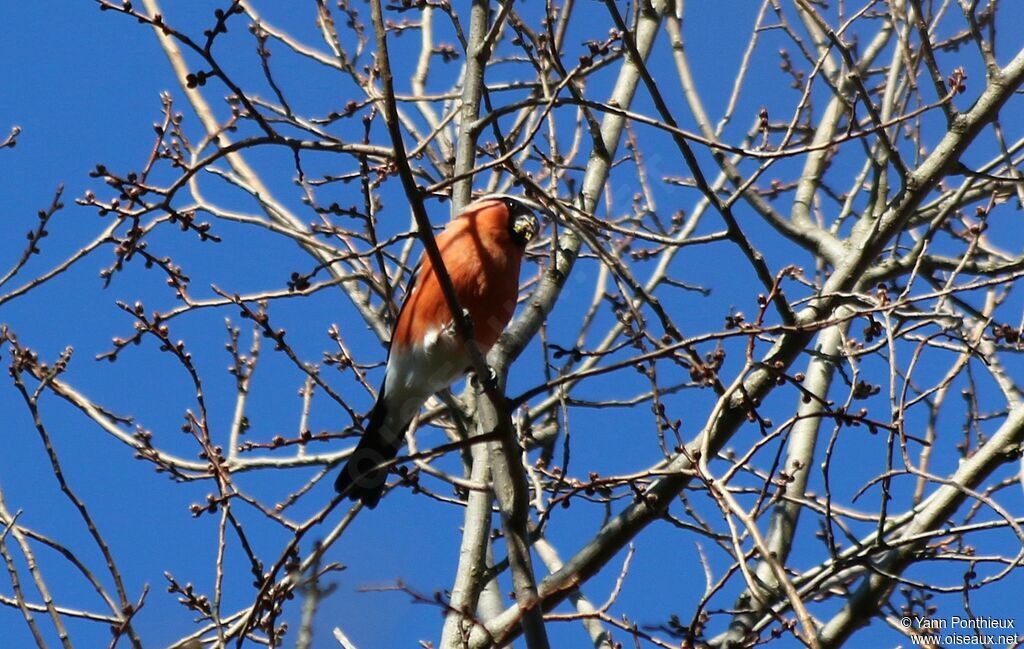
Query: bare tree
point(806, 447)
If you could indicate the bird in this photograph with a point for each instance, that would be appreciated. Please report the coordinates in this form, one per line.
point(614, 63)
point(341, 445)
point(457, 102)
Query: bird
point(482, 250)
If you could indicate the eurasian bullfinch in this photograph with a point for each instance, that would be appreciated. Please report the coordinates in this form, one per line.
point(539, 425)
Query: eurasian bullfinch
point(482, 250)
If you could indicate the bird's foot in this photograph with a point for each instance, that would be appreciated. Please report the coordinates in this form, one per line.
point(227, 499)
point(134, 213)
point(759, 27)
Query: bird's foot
point(490, 382)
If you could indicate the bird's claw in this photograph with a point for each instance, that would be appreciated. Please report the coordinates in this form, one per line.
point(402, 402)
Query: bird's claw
point(490, 382)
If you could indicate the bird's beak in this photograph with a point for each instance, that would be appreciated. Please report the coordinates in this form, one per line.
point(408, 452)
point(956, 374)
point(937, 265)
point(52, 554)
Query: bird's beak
point(525, 227)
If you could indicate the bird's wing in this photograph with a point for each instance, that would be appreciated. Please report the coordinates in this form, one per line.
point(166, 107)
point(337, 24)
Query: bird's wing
point(409, 287)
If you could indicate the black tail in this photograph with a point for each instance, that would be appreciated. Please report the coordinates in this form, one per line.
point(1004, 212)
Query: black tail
point(362, 477)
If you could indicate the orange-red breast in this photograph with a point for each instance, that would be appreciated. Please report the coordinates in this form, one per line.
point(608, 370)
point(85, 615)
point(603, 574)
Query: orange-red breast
point(482, 250)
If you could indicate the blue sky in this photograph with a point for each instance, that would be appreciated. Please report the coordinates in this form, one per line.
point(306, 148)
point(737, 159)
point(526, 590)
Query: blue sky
point(84, 87)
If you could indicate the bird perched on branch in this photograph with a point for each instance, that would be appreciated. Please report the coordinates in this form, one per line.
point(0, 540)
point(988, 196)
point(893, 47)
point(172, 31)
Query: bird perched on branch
point(482, 250)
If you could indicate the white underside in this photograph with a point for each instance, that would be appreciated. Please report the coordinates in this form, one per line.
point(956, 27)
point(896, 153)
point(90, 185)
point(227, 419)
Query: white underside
point(419, 372)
